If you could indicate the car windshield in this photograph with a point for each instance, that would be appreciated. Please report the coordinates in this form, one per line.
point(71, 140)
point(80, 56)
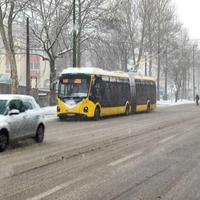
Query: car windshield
point(74, 87)
point(3, 106)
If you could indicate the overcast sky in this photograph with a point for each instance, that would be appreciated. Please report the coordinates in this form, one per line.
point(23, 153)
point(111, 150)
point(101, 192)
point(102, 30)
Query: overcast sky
point(189, 15)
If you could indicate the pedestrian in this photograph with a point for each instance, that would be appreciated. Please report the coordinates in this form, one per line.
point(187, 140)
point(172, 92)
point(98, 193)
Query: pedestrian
point(197, 99)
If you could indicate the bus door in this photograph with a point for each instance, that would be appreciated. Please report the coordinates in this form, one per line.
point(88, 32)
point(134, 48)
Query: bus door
point(96, 89)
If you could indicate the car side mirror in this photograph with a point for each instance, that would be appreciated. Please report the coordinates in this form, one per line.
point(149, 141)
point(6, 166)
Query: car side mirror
point(13, 112)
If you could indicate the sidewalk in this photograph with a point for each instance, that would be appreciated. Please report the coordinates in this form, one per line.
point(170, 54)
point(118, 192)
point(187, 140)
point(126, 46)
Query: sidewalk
point(163, 103)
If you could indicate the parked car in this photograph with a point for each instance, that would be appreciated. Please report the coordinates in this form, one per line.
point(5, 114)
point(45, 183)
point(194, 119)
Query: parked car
point(20, 118)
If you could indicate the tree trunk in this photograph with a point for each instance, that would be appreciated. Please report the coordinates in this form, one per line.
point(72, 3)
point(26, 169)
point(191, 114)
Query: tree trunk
point(124, 59)
point(13, 67)
point(14, 76)
point(8, 43)
point(145, 65)
point(52, 83)
point(184, 83)
point(158, 74)
point(150, 47)
point(166, 88)
point(141, 44)
point(133, 49)
point(166, 78)
point(142, 39)
point(125, 63)
point(176, 95)
point(78, 51)
point(158, 79)
point(150, 63)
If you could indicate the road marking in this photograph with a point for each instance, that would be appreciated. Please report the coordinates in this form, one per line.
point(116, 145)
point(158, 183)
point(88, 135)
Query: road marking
point(167, 139)
point(53, 190)
point(47, 193)
point(125, 159)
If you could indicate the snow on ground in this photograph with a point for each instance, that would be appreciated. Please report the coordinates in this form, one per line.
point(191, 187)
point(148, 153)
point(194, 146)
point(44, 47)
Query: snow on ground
point(163, 103)
point(50, 111)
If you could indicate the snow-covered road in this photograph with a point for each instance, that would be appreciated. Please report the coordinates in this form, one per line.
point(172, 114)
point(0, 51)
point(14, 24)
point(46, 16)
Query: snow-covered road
point(144, 156)
point(50, 112)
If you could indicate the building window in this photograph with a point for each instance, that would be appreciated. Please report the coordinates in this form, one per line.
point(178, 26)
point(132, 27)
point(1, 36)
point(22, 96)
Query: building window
point(35, 63)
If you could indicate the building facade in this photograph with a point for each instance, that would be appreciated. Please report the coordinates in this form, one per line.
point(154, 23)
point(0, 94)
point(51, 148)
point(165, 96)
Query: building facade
point(39, 70)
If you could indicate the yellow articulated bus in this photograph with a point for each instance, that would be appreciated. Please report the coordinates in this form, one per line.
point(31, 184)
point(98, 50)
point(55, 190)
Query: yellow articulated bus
point(95, 93)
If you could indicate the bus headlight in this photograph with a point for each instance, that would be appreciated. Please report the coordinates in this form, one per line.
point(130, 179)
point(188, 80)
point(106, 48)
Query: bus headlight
point(85, 109)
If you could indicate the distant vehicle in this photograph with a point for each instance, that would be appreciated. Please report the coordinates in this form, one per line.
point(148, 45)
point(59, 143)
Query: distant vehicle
point(94, 93)
point(20, 118)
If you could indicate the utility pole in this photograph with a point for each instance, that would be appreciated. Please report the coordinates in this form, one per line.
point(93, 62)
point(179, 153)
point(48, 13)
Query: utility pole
point(79, 35)
point(193, 69)
point(28, 83)
point(74, 33)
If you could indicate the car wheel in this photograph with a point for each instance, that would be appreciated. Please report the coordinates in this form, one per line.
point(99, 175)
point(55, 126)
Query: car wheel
point(3, 142)
point(97, 114)
point(39, 134)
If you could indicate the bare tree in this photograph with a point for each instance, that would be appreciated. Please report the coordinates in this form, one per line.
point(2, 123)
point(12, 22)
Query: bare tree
point(171, 30)
point(179, 62)
point(49, 18)
point(89, 13)
point(163, 15)
point(9, 10)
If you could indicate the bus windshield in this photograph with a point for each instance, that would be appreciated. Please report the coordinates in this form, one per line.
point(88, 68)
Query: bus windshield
point(73, 87)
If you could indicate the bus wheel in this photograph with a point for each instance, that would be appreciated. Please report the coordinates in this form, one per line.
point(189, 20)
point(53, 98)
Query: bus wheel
point(97, 114)
point(127, 110)
point(148, 108)
point(61, 118)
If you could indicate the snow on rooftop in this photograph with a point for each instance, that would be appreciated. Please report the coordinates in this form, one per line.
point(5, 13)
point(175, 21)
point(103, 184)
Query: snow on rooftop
point(98, 71)
point(91, 70)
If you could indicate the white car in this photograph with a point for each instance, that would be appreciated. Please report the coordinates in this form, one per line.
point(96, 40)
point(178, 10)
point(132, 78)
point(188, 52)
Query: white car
point(20, 118)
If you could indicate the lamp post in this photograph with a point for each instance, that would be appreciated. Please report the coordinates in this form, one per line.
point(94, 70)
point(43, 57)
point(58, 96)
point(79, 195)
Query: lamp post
point(74, 34)
point(28, 81)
